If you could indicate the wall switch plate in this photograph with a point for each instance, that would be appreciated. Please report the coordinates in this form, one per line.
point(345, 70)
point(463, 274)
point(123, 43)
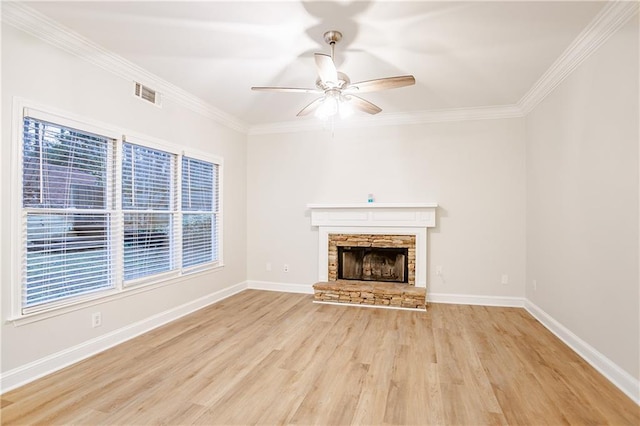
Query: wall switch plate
point(505, 279)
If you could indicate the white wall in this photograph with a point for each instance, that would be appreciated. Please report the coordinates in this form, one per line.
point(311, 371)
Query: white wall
point(474, 170)
point(582, 202)
point(37, 71)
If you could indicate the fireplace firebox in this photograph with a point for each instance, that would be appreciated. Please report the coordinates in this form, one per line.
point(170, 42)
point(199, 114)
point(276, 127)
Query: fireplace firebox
point(373, 264)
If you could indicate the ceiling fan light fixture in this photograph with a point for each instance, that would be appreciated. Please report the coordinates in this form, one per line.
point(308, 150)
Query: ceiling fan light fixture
point(334, 104)
point(328, 108)
point(345, 107)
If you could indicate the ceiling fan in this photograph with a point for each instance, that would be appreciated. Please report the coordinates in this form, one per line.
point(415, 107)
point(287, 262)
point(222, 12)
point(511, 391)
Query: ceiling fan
point(339, 94)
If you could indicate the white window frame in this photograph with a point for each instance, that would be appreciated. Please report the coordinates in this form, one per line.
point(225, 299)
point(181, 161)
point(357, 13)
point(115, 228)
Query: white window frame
point(217, 213)
point(174, 211)
point(23, 108)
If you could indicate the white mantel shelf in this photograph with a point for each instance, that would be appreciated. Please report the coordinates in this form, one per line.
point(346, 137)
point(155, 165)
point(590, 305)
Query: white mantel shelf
point(372, 206)
point(374, 214)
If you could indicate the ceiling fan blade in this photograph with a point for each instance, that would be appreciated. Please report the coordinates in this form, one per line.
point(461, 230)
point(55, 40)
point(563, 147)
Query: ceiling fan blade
point(326, 69)
point(285, 89)
point(363, 105)
point(381, 84)
point(310, 108)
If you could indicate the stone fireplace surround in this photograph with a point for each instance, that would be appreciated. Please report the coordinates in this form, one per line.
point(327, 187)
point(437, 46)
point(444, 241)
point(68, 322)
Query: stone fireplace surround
point(365, 223)
point(371, 240)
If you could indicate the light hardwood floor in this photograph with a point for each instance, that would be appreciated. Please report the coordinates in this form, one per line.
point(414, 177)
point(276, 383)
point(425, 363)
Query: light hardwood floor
point(276, 358)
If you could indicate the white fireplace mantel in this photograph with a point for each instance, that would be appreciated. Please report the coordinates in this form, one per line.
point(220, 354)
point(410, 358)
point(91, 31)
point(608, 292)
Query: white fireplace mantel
point(374, 218)
point(374, 214)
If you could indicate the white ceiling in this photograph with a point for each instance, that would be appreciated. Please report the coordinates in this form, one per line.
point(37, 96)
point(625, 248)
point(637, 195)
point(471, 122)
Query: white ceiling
point(462, 54)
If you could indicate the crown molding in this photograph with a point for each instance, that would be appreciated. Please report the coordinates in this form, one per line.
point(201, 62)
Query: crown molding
point(392, 119)
point(609, 20)
point(32, 22)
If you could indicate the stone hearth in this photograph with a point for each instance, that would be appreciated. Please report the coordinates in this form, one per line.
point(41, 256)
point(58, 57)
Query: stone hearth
point(372, 294)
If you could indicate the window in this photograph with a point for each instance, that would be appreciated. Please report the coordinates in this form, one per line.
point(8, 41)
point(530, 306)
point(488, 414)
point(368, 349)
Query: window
point(66, 207)
point(148, 188)
point(100, 216)
point(199, 208)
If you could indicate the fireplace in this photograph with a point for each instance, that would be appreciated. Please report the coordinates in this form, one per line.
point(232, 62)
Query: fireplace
point(387, 264)
point(372, 254)
point(380, 225)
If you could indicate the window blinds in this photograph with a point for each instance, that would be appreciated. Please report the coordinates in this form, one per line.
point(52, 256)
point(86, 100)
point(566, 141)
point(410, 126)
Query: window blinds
point(199, 212)
point(148, 192)
point(65, 200)
point(91, 223)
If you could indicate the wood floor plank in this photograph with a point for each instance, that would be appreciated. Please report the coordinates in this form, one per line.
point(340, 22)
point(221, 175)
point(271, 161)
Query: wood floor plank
point(372, 403)
point(275, 358)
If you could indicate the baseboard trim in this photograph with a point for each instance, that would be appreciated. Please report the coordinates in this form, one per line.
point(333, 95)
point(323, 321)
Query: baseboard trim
point(282, 287)
point(34, 370)
point(458, 299)
point(468, 299)
point(616, 375)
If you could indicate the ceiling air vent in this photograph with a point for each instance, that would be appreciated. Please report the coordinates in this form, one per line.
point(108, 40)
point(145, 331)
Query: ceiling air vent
point(145, 93)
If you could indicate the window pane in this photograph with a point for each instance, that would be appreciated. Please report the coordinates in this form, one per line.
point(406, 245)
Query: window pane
point(197, 246)
point(63, 167)
point(67, 255)
point(199, 194)
point(197, 185)
point(147, 249)
point(146, 178)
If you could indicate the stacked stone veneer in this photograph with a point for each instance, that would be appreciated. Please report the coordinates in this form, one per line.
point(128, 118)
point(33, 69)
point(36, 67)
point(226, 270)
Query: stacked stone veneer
point(372, 240)
point(370, 293)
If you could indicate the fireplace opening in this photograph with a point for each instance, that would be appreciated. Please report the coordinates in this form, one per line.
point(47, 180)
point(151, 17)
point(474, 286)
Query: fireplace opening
point(373, 264)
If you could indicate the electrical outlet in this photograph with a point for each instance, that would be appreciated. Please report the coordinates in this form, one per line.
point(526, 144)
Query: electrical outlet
point(268, 267)
point(439, 271)
point(285, 268)
point(96, 319)
point(505, 279)
point(535, 285)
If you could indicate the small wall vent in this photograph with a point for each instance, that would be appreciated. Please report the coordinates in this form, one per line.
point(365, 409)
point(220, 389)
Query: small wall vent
point(147, 94)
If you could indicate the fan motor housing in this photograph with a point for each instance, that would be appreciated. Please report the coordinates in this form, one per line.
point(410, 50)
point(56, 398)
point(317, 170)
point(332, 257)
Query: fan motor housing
point(343, 82)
